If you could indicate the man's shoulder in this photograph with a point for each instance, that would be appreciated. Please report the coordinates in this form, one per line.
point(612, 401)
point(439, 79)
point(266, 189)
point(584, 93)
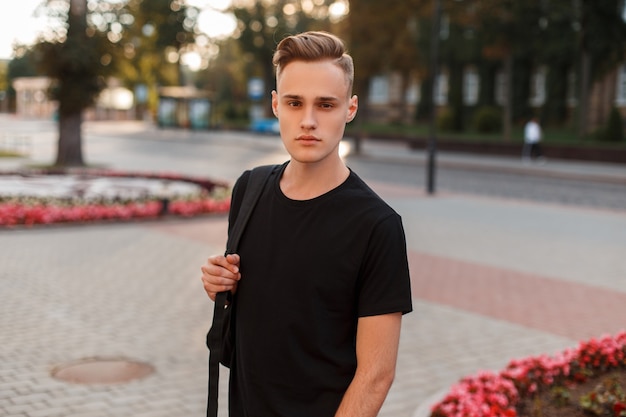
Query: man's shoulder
point(364, 196)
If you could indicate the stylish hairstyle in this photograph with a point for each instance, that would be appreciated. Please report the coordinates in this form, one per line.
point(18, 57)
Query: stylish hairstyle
point(314, 46)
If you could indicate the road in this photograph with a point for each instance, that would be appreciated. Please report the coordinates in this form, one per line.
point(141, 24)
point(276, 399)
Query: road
point(223, 155)
point(494, 182)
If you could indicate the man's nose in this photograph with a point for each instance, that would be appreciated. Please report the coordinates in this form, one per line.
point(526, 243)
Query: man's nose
point(308, 118)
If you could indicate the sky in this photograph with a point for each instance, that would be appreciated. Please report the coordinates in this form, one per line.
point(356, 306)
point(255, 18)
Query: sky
point(17, 22)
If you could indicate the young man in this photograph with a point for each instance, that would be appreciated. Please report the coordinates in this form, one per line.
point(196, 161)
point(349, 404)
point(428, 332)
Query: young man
point(321, 279)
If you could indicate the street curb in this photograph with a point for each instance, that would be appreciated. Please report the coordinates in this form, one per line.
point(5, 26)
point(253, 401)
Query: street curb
point(498, 165)
point(424, 409)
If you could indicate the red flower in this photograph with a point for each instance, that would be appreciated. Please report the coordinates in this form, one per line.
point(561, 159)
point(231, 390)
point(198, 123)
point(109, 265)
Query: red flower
point(30, 213)
point(495, 395)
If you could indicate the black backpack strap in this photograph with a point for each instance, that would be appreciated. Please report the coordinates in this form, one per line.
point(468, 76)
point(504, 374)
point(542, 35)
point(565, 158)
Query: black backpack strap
point(256, 184)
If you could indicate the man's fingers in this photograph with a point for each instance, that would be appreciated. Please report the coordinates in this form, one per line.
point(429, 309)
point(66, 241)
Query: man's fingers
point(233, 259)
point(221, 266)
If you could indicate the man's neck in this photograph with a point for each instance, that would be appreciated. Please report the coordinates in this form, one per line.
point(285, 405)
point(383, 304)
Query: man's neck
point(303, 181)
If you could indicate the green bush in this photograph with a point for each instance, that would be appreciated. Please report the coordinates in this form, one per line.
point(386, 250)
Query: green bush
point(445, 120)
point(487, 119)
point(614, 131)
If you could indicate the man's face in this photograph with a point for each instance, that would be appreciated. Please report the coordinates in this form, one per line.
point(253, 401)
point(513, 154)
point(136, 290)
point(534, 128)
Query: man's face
point(312, 104)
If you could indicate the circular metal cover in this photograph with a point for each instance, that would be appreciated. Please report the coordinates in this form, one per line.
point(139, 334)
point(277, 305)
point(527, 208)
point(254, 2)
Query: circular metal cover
point(102, 371)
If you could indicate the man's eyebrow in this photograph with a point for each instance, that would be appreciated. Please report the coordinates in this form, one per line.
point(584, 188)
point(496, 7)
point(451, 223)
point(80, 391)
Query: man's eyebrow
point(299, 97)
point(292, 96)
point(329, 98)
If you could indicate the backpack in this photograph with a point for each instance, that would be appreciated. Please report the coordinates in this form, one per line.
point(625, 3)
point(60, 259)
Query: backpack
point(220, 338)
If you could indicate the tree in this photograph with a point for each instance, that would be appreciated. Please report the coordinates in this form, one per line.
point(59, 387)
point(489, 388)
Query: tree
point(382, 37)
point(509, 33)
point(75, 66)
point(601, 46)
point(87, 49)
point(154, 35)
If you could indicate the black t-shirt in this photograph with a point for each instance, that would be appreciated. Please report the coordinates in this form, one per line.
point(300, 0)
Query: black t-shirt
point(309, 270)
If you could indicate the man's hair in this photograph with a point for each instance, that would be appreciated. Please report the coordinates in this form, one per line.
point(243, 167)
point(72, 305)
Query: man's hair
point(314, 46)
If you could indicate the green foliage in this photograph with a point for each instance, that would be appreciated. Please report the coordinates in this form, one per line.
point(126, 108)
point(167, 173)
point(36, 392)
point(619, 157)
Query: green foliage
point(23, 65)
point(603, 33)
point(157, 28)
point(560, 395)
point(487, 119)
point(445, 120)
point(4, 69)
point(614, 130)
point(76, 66)
point(607, 398)
point(555, 109)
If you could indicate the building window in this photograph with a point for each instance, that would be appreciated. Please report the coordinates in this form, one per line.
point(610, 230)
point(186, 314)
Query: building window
point(538, 87)
point(413, 93)
point(471, 84)
point(620, 97)
point(379, 90)
point(441, 90)
point(444, 27)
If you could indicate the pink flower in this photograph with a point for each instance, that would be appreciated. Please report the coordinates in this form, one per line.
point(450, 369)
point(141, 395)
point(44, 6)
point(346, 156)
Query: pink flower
point(495, 395)
point(29, 213)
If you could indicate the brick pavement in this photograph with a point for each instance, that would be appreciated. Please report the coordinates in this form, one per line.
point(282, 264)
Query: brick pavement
point(132, 290)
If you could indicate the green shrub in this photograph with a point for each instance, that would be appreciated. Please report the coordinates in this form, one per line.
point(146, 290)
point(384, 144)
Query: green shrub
point(487, 119)
point(614, 131)
point(445, 120)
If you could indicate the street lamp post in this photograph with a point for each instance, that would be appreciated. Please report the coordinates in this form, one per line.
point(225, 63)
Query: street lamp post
point(432, 142)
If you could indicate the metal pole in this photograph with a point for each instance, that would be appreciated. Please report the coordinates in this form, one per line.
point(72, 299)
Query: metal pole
point(432, 142)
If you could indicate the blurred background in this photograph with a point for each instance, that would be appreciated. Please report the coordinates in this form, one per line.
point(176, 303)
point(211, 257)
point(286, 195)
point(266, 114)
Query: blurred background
point(474, 70)
point(511, 259)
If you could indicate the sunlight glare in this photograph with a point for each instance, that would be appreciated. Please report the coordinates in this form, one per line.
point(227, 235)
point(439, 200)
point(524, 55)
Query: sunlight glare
point(216, 24)
point(193, 60)
point(344, 149)
point(338, 9)
point(19, 24)
point(220, 5)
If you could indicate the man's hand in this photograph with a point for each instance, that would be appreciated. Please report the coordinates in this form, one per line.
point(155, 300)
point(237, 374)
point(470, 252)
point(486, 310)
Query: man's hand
point(221, 273)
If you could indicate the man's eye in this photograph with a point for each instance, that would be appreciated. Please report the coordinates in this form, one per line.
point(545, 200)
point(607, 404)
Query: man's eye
point(326, 105)
point(293, 103)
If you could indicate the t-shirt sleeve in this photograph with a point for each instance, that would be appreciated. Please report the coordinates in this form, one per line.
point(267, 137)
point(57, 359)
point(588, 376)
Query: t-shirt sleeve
point(384, 281)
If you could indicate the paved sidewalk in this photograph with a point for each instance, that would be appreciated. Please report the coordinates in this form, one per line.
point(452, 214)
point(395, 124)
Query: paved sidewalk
point(493, 280)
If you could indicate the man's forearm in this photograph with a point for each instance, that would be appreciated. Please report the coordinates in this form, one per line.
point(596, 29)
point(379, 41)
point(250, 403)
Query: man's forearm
point(365, 396)
point(377, 343)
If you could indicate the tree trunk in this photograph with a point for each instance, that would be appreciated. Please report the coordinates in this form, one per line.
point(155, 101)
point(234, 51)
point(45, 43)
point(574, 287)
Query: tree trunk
point(69, 149)
point(583, 117)
point(507, 114)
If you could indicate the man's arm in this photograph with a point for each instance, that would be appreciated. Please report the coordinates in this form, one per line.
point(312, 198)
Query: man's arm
point(377, 351)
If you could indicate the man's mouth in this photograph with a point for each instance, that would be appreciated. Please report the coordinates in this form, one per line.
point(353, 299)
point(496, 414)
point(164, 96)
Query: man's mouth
point(308, 138)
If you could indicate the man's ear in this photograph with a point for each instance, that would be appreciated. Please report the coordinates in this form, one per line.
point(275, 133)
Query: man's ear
point(275, 103)
point(353, 106)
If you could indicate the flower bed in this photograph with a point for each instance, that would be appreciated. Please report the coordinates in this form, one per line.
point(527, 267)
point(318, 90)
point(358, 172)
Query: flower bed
point(86, 198)
point(490, 394)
